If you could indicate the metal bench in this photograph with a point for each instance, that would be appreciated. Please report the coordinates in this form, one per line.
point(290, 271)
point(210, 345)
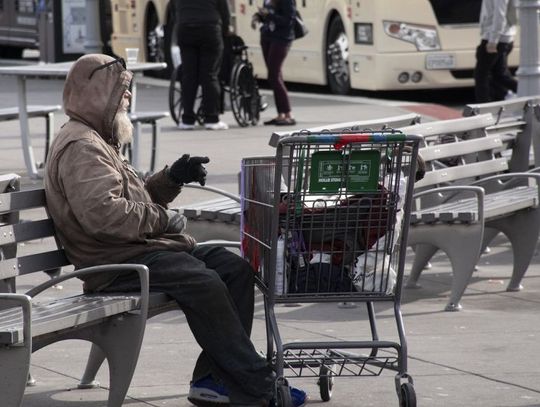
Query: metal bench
point(138, 119)
point(45, 111)
point(114, 323)
point(464, 159)
point(515, 118)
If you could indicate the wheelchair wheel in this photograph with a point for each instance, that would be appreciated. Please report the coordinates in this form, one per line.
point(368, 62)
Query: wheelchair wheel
point(175, 94)
point(175, 98)
point(244, 93)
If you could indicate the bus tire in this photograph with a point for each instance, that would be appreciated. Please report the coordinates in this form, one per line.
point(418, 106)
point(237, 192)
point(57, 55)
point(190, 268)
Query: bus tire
point(337, 58)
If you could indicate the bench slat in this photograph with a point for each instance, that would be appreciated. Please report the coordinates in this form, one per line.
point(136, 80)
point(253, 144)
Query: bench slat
point(23, 232)
point(463, 147)
point(76, 311)
point(35, 262)
point(449, 174)
point(16, 201)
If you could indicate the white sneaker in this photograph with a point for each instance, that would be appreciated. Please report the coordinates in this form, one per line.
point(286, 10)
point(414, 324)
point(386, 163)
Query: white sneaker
point(216, 126)
point(185, 126)
point(510, 95)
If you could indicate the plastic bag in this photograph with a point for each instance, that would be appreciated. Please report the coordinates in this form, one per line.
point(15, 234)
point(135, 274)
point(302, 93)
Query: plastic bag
point(373, 272)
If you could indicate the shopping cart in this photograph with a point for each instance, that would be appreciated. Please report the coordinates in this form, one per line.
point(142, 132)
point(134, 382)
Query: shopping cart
point(326, 220)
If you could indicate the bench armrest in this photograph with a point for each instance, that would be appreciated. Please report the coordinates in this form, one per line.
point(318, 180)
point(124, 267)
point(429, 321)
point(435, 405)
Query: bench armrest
point(25, 302)
point(478, 191)
point(512, 176)
point(141, 270)
point(219, 242)
point(214, 189)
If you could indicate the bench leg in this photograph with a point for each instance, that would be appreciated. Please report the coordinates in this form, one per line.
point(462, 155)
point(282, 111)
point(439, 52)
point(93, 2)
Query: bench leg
point(14, 369)
point(15, 360)
point(120, 340)
point(95, 360)
point(522, 229)
point(462, 245)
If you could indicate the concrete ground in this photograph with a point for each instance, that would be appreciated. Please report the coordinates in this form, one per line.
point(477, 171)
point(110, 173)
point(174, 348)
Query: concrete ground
point(485, 355)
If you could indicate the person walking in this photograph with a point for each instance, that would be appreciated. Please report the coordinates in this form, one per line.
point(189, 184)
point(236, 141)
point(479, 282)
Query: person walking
point(104, 213)
point(202, 24)
point(277, 33)
point(493, 80)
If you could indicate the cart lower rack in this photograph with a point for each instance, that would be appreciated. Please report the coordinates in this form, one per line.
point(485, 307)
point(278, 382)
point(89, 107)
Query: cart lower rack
point(326, 220)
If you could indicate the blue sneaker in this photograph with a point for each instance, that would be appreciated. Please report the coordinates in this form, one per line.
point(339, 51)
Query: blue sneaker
point(299, 398)
point(207, 392)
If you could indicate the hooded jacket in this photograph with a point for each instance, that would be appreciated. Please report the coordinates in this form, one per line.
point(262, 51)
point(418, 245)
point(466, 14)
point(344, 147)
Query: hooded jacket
point(102, 210)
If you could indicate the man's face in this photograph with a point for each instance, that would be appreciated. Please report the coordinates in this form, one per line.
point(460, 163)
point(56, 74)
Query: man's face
point(122, 127)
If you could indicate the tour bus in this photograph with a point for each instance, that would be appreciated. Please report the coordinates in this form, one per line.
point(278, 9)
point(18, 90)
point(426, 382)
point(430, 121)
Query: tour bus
point(377, 44)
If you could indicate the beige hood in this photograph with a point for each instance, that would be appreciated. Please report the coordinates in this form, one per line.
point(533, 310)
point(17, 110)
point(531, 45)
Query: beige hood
point(93, 91)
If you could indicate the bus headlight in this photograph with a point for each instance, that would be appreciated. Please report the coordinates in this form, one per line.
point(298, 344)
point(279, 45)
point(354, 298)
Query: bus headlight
point(424, 37)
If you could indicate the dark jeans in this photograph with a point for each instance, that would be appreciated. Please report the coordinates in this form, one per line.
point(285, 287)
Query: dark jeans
point(491, 75)
point(215, 290)
point(274, 53)
point(201, 49)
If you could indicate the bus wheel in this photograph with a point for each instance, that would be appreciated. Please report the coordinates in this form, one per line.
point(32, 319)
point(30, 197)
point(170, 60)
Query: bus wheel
point(337, 58)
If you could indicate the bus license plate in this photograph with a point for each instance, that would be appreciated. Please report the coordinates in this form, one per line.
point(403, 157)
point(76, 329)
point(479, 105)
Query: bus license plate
point(440, 61)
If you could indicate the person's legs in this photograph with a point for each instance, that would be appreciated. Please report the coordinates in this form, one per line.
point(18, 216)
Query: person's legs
point(238, 276)
point(482, 73)
point(190, 67)
point(213, 314)
point(500, 72)
point(275, 56)
point(210, 64)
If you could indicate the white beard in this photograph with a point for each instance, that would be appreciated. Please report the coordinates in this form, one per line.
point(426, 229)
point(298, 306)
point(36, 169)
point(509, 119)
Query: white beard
point(122, 128)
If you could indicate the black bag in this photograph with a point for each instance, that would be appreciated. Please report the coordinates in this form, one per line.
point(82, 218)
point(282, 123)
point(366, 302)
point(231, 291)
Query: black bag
point(300, 29)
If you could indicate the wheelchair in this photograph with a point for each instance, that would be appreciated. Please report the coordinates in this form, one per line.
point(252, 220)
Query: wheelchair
point(237, 81)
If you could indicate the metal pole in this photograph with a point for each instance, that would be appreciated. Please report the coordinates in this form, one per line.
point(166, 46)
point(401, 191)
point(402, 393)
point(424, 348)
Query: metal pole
point(92, 42)
point(529, 55)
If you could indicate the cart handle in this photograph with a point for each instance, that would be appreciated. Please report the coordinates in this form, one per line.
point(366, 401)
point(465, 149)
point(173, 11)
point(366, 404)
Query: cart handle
point(340, 139)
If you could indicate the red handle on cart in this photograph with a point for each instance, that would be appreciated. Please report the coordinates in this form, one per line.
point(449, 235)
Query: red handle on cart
point(341, 140)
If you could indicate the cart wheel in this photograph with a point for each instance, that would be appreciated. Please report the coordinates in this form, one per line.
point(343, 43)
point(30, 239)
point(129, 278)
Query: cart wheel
point(408, 395)
point(326, 383)
point(283, 396)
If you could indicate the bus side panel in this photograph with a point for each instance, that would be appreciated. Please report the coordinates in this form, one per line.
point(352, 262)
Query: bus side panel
point(306, 60)
point(129, 24)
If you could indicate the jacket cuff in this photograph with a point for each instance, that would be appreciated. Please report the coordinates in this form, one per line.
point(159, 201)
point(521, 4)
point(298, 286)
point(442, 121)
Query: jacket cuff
point(162, 188)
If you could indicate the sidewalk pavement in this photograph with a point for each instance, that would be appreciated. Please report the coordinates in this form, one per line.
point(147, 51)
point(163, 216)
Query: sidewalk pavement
point(485, 355)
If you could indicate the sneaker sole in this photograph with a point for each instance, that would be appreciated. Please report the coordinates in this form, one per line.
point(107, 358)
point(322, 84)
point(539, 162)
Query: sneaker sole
point(208, 403)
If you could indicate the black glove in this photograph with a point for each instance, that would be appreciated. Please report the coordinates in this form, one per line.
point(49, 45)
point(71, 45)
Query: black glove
point(176, 222)
point(189, 169)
